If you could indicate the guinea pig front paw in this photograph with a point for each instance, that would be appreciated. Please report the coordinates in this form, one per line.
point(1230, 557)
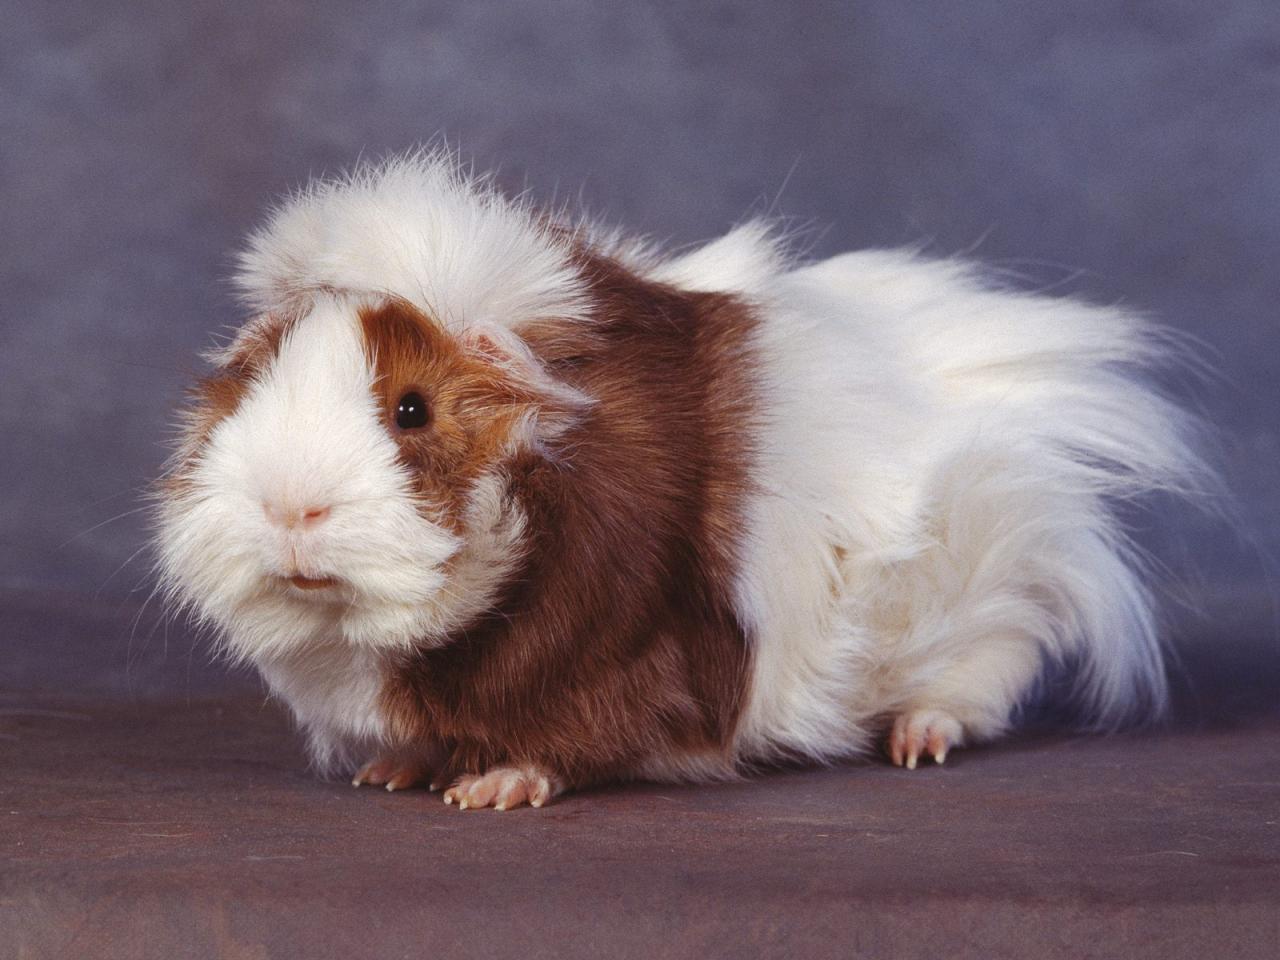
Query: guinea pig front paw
point(916, 731)
point(503, 788)
point(395, 773)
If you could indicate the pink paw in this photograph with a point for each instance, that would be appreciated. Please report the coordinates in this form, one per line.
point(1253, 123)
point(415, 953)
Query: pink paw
point(503, 788)
point(394, 773)
point(920, 731)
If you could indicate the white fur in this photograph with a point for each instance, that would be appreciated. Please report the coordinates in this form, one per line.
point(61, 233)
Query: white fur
point(937, 464)
point(935, 522)
point(416, 228)
point(309, 434)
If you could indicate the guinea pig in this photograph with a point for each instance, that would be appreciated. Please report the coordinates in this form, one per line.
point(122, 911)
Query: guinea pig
point(506, 504)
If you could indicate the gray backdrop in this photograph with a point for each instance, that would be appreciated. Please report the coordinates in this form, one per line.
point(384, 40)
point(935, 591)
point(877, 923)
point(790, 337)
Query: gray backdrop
point(1122, 151)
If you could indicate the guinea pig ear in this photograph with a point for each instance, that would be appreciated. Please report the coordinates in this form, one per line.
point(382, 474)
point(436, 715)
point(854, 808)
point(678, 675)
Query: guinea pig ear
point(557, 404)
point(255, 341)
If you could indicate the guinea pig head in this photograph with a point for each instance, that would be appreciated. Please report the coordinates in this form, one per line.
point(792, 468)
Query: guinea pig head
point(343, 475)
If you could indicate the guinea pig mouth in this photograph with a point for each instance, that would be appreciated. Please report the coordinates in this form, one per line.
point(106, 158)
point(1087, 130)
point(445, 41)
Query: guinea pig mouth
point(312, 583)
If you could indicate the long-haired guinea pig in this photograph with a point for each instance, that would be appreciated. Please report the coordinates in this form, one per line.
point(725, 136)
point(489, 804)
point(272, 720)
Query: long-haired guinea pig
point(509, 505)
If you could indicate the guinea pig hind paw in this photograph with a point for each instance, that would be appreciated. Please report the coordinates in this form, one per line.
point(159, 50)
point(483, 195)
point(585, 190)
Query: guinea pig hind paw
point(918, 733)
point(502, 788)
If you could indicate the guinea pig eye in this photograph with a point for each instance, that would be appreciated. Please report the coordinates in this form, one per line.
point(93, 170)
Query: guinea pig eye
point(411, 412)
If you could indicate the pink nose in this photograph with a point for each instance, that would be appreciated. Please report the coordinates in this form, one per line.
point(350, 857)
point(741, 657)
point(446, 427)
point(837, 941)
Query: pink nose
point(291, 517)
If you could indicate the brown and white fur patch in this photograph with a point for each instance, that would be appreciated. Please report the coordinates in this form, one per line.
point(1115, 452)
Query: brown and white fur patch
point(669, 518)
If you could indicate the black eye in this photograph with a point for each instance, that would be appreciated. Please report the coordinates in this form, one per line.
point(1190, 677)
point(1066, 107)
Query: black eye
point(411, 413)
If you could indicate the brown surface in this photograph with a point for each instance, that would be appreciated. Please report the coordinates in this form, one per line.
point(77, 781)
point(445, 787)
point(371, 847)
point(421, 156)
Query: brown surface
point(192, 829)
point(151, 806)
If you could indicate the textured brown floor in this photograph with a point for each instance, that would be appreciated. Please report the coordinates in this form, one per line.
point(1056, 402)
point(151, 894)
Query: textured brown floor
point(134, 823)
point(192, 829)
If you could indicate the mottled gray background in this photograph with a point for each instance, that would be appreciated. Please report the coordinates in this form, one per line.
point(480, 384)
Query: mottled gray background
point(1123, 151)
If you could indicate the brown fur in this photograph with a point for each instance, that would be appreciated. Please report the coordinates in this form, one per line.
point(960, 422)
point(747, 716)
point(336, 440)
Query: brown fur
point(474, 405)
point(616, 644)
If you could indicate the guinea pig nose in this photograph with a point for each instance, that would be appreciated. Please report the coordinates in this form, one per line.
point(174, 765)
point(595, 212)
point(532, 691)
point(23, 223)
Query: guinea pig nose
point(290, 517)
point(313, 515)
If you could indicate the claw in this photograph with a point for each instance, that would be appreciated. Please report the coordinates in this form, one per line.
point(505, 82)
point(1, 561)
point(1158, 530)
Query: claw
point(922, 732)
point(402, 780)
point(937, 745)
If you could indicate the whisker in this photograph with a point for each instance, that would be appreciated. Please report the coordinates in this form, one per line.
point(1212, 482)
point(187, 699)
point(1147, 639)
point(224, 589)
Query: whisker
point(136, 491)
point(118, 516)
point(128, 560)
